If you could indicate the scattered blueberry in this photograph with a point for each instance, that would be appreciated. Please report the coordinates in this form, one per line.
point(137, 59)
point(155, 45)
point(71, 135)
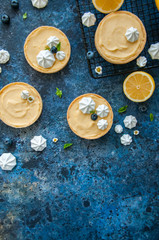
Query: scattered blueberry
point(8, 141)
point(15, 4)
point(54, 49)
point(142, 108)
point(86, 203)
point(5, 19)
point(90, 54)
point(94, 116)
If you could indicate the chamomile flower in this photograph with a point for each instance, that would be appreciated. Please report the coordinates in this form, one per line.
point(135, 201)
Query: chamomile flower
point(136, 132)
point(98, 70)
point(30, 99)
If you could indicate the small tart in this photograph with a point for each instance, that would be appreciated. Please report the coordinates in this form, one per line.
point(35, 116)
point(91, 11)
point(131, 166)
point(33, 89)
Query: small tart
point(16, 111)
point(82, 124)
point(37, 41)
point(110, 39)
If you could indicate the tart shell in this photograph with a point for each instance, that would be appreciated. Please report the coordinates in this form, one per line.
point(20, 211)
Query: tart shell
point(117, 60)
point(101, 132)
point(37, 95)
point(35, 65)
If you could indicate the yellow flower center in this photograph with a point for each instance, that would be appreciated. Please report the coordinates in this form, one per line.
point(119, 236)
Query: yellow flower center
point(136, 132)
point(55, 140)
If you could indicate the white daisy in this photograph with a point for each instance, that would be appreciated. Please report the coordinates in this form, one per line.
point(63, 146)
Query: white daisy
point(30, 99)
point(136, 132)
point(55, 140)
point(98, 70)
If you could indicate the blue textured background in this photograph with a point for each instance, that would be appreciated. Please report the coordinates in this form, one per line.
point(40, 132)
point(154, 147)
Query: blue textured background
point(95, 190)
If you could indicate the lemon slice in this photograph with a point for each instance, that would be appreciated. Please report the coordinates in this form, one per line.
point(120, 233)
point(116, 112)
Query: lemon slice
point(107, 6)
point(139, 86)
point(157, 4)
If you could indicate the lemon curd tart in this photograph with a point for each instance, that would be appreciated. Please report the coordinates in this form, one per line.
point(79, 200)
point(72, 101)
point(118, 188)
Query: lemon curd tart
point(111, 41)
point(19, 111)
point(90, 116)
point(37, 41)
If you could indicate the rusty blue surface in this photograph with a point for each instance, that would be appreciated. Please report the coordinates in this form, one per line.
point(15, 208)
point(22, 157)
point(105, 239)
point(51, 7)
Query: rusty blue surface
point(95, 190)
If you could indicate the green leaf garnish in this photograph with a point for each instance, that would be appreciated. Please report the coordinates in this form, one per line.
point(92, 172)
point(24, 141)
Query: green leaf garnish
point(67, 145)
point(92, 112)
point(151, 117)
point(25, 15)
point(58, 46)
point(47, 48)
point(58, 92)
point(123, 109)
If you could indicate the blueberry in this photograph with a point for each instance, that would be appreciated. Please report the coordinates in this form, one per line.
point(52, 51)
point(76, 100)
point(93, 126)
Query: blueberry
point(5, 18)
point(54, 49)
point(94, 116)
point(8, 141)
point(90, 54)
point(142, 108)
point(15, 4)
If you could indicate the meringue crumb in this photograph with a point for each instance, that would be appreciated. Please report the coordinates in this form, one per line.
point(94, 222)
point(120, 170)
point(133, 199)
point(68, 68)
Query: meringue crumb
point(0, 69)
point(55, 140)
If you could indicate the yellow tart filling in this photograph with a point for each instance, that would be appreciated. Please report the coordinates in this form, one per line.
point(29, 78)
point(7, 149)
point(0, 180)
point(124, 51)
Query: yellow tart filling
point(82, 124)
point(16, 111)
point(111, 41)
point(37, 41)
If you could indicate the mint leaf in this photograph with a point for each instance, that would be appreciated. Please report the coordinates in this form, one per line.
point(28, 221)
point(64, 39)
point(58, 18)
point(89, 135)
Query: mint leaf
point(67, 145)
point(123, 109)
point(58, 92)
point(92, 112)
point(25, 15)
point(58, 46)
point(151, 117)
point(47, 48)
